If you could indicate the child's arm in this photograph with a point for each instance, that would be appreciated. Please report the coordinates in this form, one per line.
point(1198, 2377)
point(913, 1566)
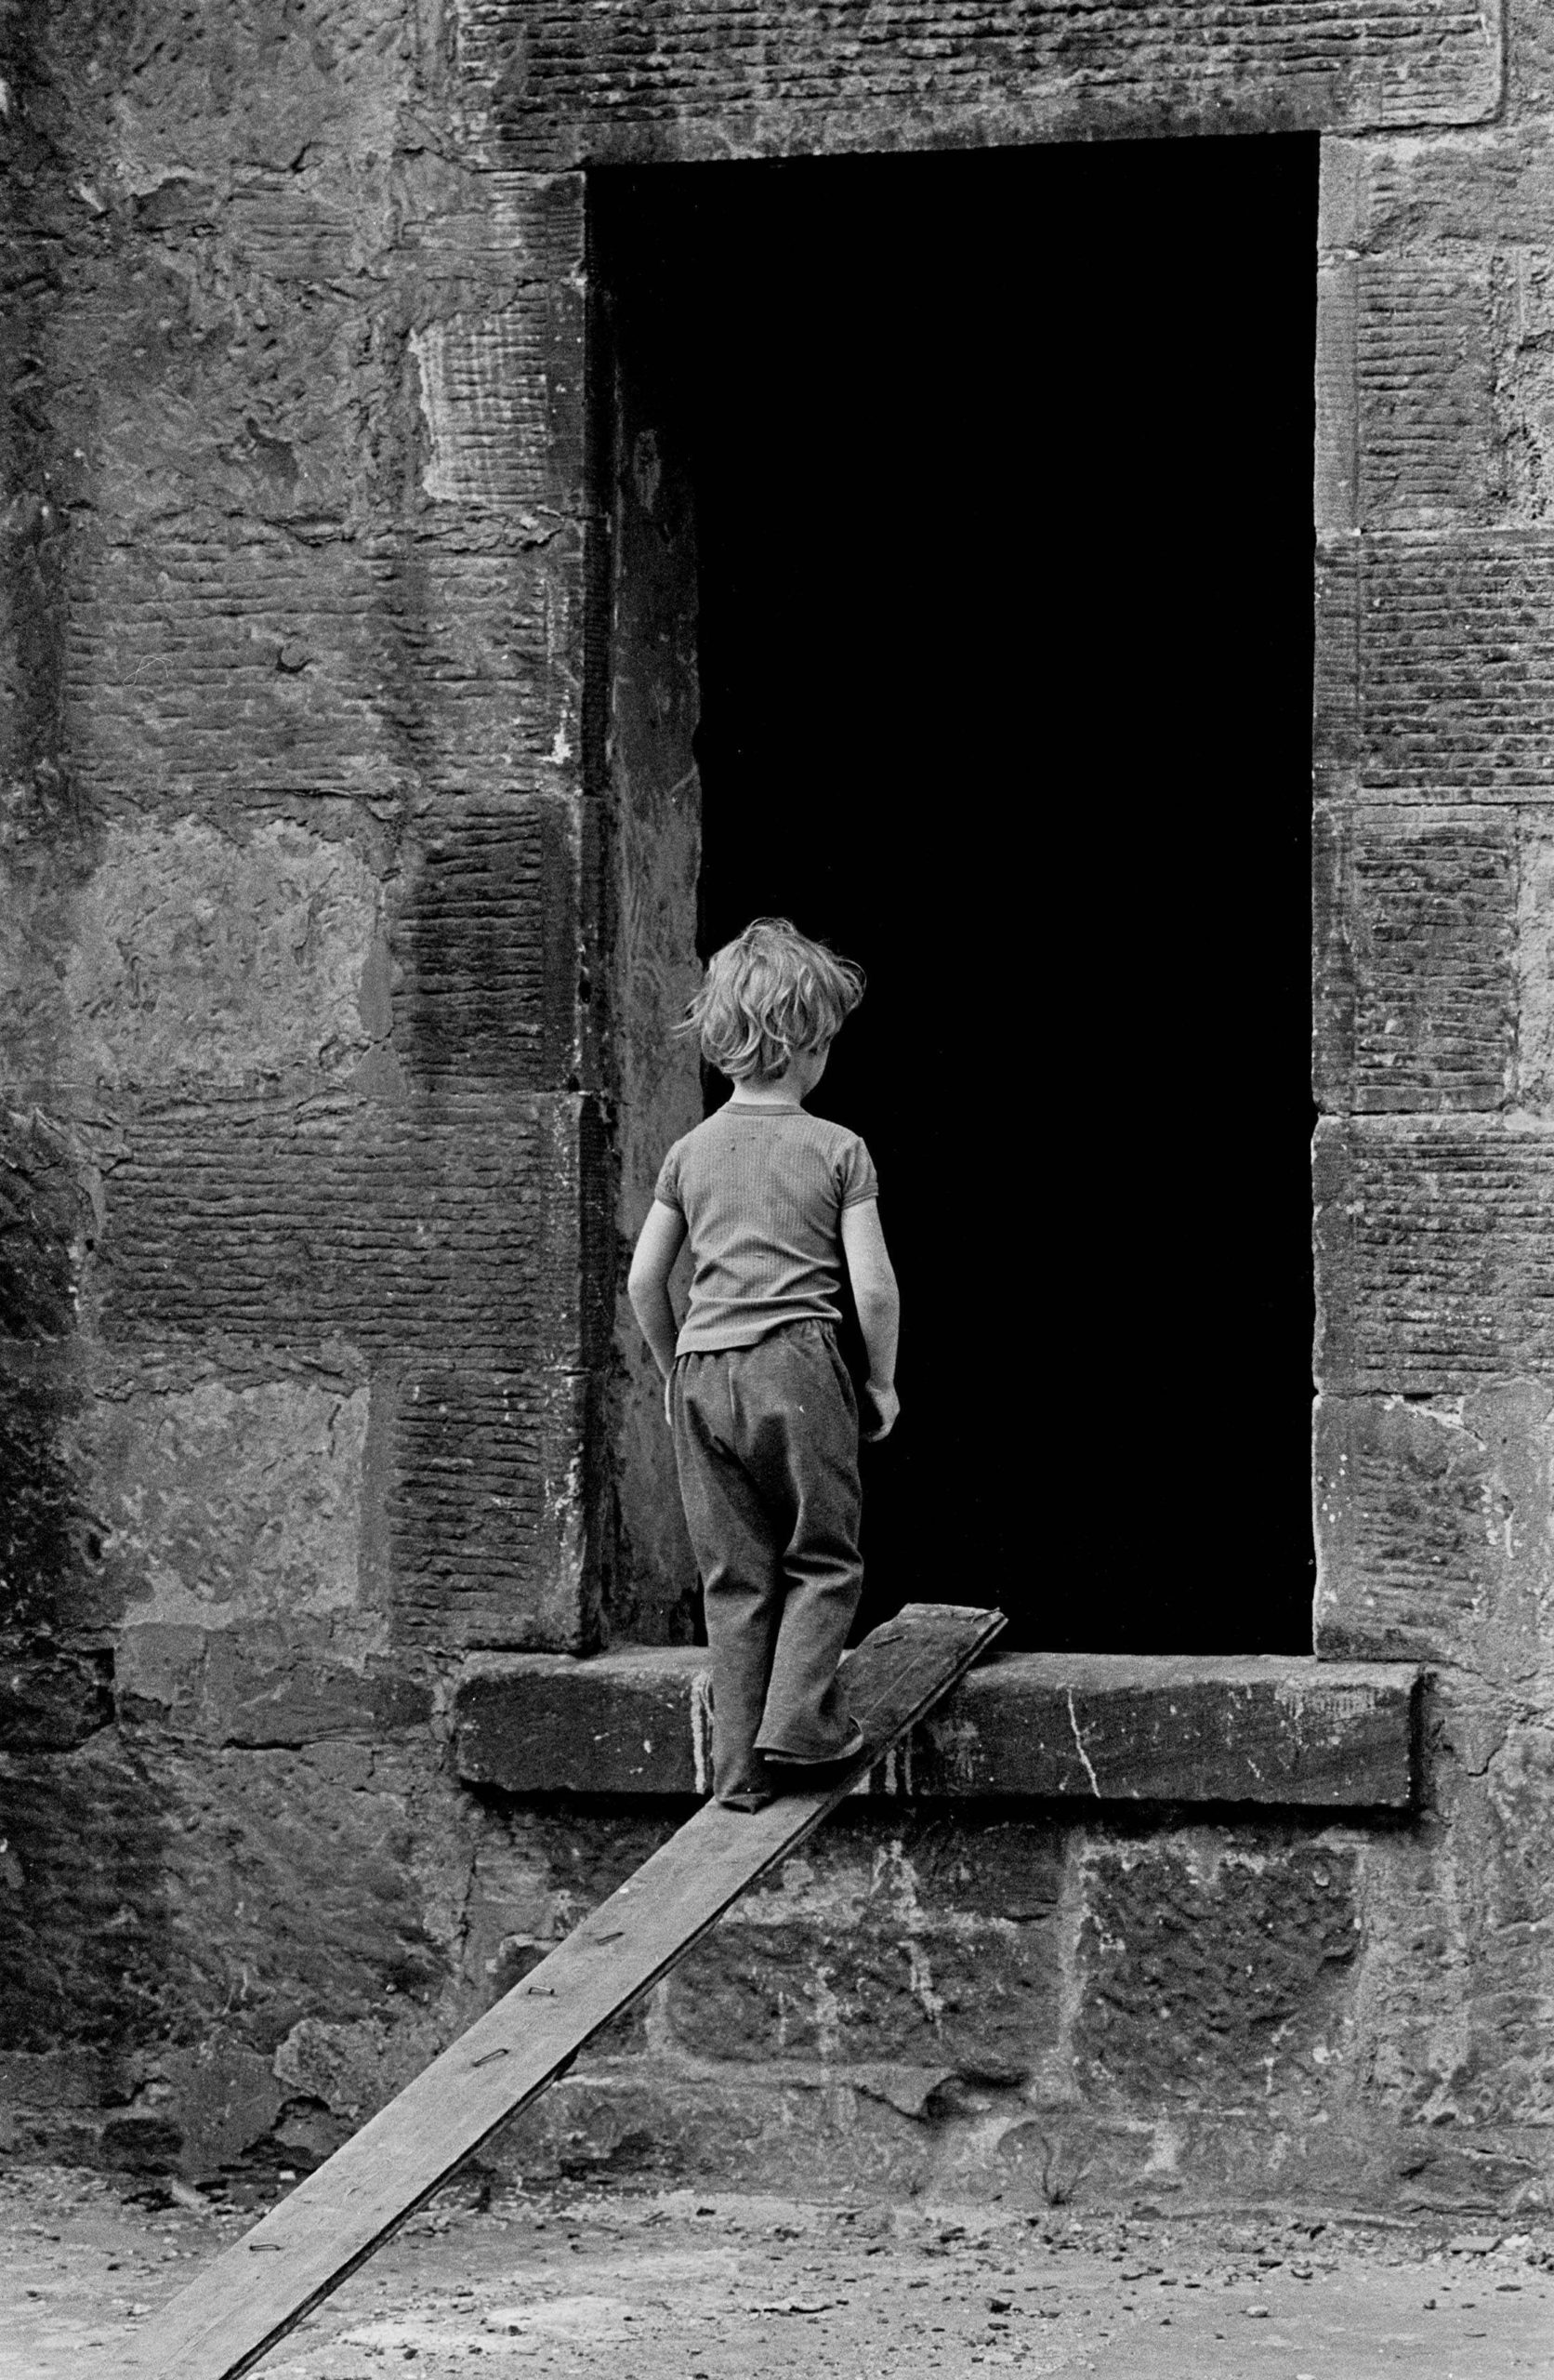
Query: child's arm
point(658, 1244)
point(879, 1308)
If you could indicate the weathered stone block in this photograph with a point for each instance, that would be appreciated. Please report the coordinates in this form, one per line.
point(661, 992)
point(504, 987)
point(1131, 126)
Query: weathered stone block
point(192, 956)
point(636, 1719)
point(1495, 186)
point(1535, 972)
point(223, 2100)
point(1170, 1728)
point(1213, 1973)
point(224, 671)
point(813, 1992)
point(1437, 257)
point(1415, 940)
point(536, 1875)
point(487, 390)
point(1454, 1981)
point(291, 1681)
point(688, 78)
point(448, 1227)
point(486, 937)
point(1430, 684)
point(914, 1944)
point(231, 397)
point(1449, 385)
point(225, 1507)
point(145, 1889)
point(1432, 1522)
point(352, 2069)
point(488, 1513)
point(83, 1902)
point(1425, 371)
point(1408, 1528)
point(1435, 1253)
point(321, 89)
point(296, 1883)
point(1089, 1727)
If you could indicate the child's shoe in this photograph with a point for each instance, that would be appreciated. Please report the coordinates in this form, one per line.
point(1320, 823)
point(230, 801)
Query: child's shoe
point(805, 1773)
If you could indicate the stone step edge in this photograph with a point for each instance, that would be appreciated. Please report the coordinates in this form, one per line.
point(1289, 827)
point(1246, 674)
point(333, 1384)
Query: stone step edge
point(1277, 1730)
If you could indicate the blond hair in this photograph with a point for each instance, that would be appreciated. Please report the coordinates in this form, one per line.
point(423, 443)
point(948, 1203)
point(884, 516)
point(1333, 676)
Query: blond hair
point(769, 993)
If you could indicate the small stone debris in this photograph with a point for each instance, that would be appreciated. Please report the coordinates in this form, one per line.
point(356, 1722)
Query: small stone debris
point(1474, 2244)
point(1256, 2313)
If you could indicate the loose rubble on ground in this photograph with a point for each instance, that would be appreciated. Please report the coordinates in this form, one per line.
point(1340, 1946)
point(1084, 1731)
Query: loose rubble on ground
point(647, 2286)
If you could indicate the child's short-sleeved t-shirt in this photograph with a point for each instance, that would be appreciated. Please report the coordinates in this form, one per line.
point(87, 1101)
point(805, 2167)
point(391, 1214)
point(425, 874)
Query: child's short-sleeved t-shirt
point(761, 1191)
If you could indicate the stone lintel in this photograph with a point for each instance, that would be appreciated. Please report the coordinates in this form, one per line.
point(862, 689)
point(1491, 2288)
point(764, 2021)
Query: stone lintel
point(1092, 1726)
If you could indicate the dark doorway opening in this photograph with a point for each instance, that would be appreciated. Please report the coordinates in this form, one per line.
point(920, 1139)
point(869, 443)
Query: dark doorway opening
point(1001, 471)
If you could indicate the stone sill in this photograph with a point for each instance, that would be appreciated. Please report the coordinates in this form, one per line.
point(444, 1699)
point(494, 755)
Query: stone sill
point(1046, 1727)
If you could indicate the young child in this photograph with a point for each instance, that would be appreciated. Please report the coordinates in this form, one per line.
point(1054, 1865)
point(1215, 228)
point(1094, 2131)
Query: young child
point(756, 1391)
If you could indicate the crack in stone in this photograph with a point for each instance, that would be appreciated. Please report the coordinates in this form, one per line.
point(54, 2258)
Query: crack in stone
point(1079, 1746)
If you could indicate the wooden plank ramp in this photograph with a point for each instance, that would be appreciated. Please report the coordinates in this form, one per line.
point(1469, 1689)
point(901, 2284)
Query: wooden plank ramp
point(262, 2287)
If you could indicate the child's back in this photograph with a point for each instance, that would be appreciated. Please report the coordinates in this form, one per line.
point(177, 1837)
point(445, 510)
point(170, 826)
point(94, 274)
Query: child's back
point(764, 1412)
point(762, 1190)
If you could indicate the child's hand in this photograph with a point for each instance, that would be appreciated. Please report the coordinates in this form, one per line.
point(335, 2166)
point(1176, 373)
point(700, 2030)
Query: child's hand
point(887, 1405)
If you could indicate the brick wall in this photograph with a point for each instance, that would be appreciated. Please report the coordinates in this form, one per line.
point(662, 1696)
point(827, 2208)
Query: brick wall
point(335, 929)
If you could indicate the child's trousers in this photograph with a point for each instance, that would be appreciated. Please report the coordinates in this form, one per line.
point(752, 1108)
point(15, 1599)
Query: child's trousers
point(766, 1442)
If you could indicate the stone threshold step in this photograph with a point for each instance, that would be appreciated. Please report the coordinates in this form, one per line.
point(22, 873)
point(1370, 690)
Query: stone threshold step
point(1089, 1728)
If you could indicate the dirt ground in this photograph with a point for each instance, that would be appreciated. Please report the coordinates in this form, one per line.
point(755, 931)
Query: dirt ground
point(638, 2286)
